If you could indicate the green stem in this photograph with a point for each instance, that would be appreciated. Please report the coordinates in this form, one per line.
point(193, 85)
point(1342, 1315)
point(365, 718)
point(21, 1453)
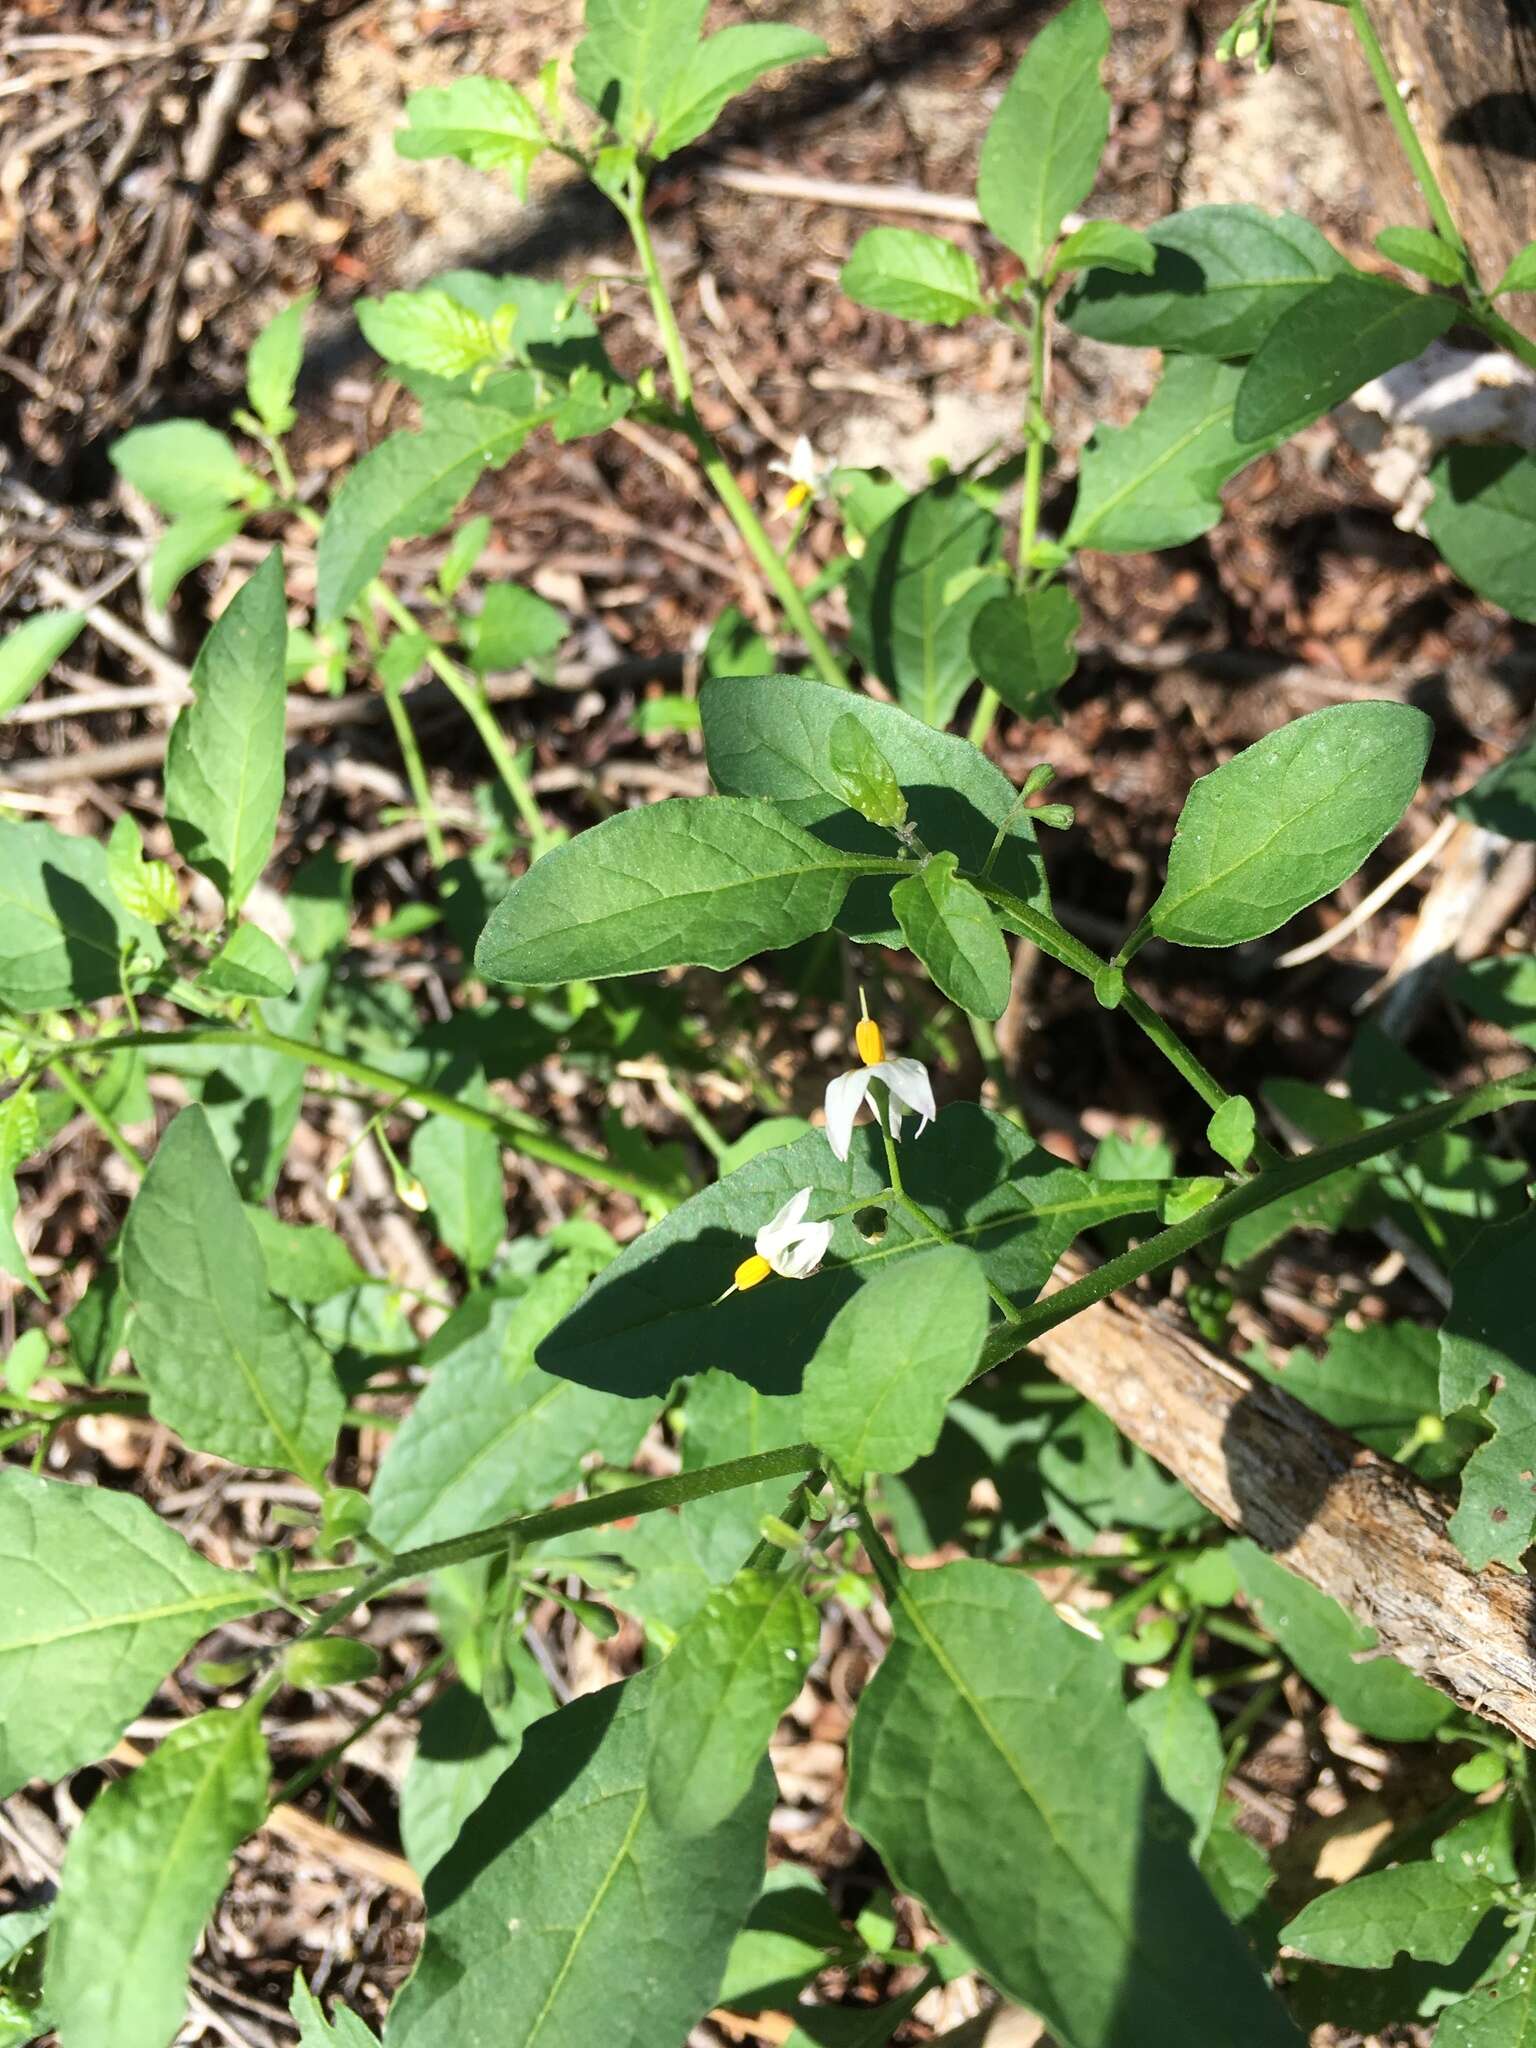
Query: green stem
point(1407, 135)
point(1498, 329)
point(931, 1223)
point(765, 1554)
point(711, 461)
point(405, 732)
point(108, 1126)
point(302, 1780)
point(1288, 1178)
point(993, 1065)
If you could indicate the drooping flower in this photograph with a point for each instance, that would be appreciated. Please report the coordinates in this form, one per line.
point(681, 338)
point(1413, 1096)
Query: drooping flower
point(906, 1083)
point(807, 476)
point(786, 1245)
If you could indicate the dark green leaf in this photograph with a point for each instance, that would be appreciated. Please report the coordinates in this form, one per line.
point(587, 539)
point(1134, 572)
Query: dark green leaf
point(1287, 820)
point(101, 1600)
point(230, 1369)
point(948, 925)
point(566, 1910)
point(30, 651)
point(893, 1357)
point(632, 57)
point(1183, 1739)
point(1329, 344)
point(460, 1167)
point(1222, 278)
point(906, 625)
point(1504, 800)
point(703, 881)
point(914, 275)
point(1482, 518)
point(1379, 1383)
point(719, 68)
point(1489, 1335)
point(62, 931)
point(1024, 646)
point(1041, 152)
point(272, 367)
point(1428, 1910)
point(1421, 250)
point(461, 1750)
point(1501, 2014)
point(182, 466)
point(992, 1761)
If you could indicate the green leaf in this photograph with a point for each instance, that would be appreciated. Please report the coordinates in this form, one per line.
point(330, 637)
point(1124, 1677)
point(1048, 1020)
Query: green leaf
point(62, 932)
point(484, 122)
point(1157, 482)
point(735, 1669)
point(904, 624)
point(771, 736)
point(1329, 344)
point(13, 1259)
point(224, 764)
point(144, 888)
point(1504, 800)
point(492, 1434)
point(461, 1750)
point(101, 1600)
point(914, 275)
point(460, 1168)
point(718, 69)
point(1183, 1739)
point(700, 881)
point(515, 627)
point(230, 1369)
point(28, 653)
point(144, 1870)
point(182, 466)
point(632, 56)
point(1106, 245)
point(464, 550)
point(1497, 2015)
point(303, 1262)
point(1379, 1383)
point(343, 2030)
point(1288, 820)
point(272, 367)
point(1521, 274)
point(1223, 276)
point(863, 775)
point(948, 925)
point(992, 1761)
point(249, 964)
point(187, 543)
point(893, 1356)
point(1427, 1910)
point(566, 1912)
point(1041, 152)
point(1482, 518)
point(408, 485)
point(1422, 251)
point(792, 1933)
point(1324, 1642)
point(428, 330)
point(1488, 1335)
point(655, 1314)
point(1024, 646)
point(1233, 1131)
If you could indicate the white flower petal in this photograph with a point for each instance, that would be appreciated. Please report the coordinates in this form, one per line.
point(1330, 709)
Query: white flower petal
point(802, 1258)
point(783, 1228)
point(909, 1084)
point(844, 1099)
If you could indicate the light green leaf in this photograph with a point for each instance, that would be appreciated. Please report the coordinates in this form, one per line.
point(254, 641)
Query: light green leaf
point(1024, 646)
point(771, 736)
point(1482, 518)
point(13, 1259)
point(914, 275)
point(1223, 276)
point(515, 626)
point(272, 367)
point(1428, 1910)
point(144, 1871)
point(464, 550)
point(904, 626)
point(428, 330)
point(62, 932)
point(1488, 1335)
point(655, 1314)
point(735, 1669)
point(1324, 1642)
point(145, 888)
point(302, 1261)
point(1106, 245)
point(249, 964)
point(1183, 1739)
point(186, 543)
point(1157, 482)
point(702, 881)
point(408, 485)
point(948, 925)
point(343, 2030)
point(863, 775)
point(484, 122)
point(101, 1600)
point(492, 1434)
point(991, 1762)
point(182, 466)
point(1422, 251)
point(632, 56)
point(1329, 344)
point(1041, 152)
point(566, 1913)
point(893, 1356)
point(1287, 820)
point(224, 764)
point(230, 1369)
point(1521, 274)
point(20, 1128)
point(718, 69)
point(461, 1750)
point(1233, 1131)
point(460, 1168)
point(28, 653)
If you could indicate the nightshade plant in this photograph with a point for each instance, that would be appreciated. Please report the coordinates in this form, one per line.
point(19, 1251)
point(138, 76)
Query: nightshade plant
point(839, 1324)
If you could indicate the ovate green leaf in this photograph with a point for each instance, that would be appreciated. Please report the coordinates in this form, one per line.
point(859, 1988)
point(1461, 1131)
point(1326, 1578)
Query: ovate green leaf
point(461, 1750)
point(1024, 646)
point(1422, 250)
point(187, 543)
point(1287, 820)
point(272, 367)
point(949, 926)
point(906, 624)
point(991, 1762)
point(428, 330)
point(1500, 2014)
point(303, 1261)
point(484, 122)
point(1329, 344)
point(515, 626)
point(705, 881)
point(1521, 274)
point(230, 1369)
point(101, 1600)
point(460, 1167)
point(1041, 152)
point(249, 964)
point(62, 932)
point(1504, 800)
point(914, 275)
point(182, 466)
point(633, 54)
point(144, 1871)
point(719, 68)
point(343, 2030)
point(1233, 1131)
point(1428, 1910)
point(1482, 518)
point(1106, 245)
point(1489, 1335)
point(1183, 1739)
point(28, 653)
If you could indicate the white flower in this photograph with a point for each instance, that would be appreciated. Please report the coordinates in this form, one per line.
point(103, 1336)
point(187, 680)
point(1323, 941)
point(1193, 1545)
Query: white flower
point(906, 1082)
point(807, 477)
point(786, 1245)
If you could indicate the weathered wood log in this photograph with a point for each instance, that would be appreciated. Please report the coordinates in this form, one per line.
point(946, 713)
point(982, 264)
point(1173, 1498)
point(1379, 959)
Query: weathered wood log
point(1469, 72)
point(1354, 1524)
